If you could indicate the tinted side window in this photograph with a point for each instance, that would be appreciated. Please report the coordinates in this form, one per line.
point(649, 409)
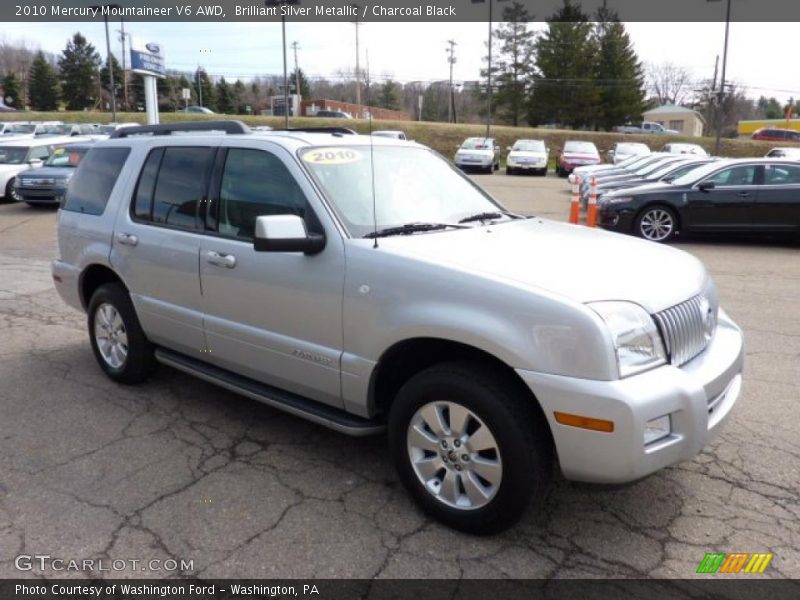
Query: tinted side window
point(781, 175)
point(255, 183)
point(143, 197)
point(735, 176)
point(180, 186)
point(94, 179)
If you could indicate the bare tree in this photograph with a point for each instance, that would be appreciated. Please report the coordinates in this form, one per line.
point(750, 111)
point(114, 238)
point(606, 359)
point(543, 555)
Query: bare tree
point(669, 83)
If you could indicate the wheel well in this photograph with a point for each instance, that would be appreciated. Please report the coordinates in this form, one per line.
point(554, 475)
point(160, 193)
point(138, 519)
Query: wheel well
point(662, 205)
point(405, 359)
point(92, 278)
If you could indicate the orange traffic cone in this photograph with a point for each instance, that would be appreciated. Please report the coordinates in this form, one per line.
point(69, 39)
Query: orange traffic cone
point(591, 214)
point(575, 205)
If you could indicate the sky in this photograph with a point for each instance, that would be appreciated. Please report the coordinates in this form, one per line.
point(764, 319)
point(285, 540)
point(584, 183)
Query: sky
point(759, 56)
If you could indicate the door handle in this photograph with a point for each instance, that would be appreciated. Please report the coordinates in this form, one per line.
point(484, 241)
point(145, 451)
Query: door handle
point(743, 194)
point(128, 239)
point(221, 260)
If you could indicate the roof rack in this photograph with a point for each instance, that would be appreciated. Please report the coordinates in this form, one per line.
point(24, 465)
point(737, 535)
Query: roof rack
point(228, 127)
point(332, 130)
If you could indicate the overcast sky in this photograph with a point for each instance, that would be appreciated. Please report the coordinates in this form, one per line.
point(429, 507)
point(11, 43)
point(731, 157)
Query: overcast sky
point(761, 55)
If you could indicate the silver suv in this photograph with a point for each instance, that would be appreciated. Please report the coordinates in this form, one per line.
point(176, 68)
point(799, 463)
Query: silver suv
point(365, 284)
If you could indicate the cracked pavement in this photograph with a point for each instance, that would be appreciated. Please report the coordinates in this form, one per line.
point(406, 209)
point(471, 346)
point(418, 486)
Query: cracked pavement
point(178, 468)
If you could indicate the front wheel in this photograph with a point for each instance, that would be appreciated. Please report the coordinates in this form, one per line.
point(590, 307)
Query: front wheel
point(11, 192)
point(118, 342)
point(656, 223)
point(469, 446)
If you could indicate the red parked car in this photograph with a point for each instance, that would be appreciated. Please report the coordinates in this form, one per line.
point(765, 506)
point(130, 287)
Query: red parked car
point(576, 154)
point(777, 135)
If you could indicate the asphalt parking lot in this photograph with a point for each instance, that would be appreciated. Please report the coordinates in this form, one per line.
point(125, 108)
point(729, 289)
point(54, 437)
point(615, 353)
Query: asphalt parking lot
point(180, 469)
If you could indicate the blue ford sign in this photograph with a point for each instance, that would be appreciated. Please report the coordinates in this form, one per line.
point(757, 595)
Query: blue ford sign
point(147, 58)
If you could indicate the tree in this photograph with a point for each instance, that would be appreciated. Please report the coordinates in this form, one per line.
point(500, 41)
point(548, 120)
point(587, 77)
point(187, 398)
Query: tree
point(204, 89)
point(105, 80)
point(11, 90)
point(769, 108)
point(388, 97)
point(43, 88)
point(564, 90)
point(513, 66)
point(305, 88)
point(224, 96)
point(619, 75)
point(238, 95)
point(78, 66)
point(669, 83)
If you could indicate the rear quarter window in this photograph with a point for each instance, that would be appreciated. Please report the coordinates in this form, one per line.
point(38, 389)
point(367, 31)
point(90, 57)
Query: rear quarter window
point(94, 179)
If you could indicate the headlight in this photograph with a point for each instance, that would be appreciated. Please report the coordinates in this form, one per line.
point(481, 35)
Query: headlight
point(637, 343)
point(616, 199)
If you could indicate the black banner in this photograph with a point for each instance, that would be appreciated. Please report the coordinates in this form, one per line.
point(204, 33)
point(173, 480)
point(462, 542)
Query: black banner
point(388, 10)
point(713, 587)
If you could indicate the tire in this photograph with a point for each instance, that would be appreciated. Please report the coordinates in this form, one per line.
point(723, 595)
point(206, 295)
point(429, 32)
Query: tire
point(127, 356)
point(509, 171)
point(497, 166)
point(11, 195)
point(517, 471)
point(543, 172)
point(657, 223)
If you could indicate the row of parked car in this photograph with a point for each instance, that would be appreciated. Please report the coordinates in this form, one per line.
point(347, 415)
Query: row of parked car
point(659, 195)
point(18, 129)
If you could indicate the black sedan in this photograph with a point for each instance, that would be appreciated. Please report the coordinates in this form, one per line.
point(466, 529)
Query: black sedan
point(748, 195)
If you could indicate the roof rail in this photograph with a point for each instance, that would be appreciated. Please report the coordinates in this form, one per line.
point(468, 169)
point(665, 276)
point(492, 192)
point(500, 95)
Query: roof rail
point(332, 130)
point(228, 127)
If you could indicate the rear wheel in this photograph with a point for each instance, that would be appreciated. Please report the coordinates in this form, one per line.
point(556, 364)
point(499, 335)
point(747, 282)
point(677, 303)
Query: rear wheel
point(11, 193)
point(118, 342)
point(469, 446)
point(656, 223)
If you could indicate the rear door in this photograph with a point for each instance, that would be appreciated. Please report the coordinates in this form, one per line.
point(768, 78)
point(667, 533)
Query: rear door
point(777, 207)
point(156, 244)
point(727, 206)
point(272, 316)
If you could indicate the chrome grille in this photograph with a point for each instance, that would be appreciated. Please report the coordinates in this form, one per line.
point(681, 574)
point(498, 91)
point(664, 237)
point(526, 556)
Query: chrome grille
point(687, 328)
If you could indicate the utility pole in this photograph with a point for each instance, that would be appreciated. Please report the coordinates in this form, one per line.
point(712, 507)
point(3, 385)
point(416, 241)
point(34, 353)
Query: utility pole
point(358, 74)
point(452, 60)
point(122, 35)
point(110, 73)
point(489, 76)
point(199, 88)
point(721, 93)
point(295, 46)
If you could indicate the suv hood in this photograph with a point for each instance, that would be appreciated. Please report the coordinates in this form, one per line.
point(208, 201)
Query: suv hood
point(54, 172)
point(582, 264)
point(476, 151)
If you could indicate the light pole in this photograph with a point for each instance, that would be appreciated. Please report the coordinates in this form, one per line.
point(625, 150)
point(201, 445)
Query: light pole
point(108, 61)
point(452, 60)
point(122, 35)
point(489, 70)
point(721, 92)
point(358, 68)
point(295, 47)
point(280, 3)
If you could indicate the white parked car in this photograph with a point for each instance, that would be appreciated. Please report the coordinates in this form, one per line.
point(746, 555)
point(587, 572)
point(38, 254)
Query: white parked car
point(17, 155)
point(395, 134)
point(790, 153)
point(623, 150)
point(527, 155)
point(478, 153)
point(679, 148)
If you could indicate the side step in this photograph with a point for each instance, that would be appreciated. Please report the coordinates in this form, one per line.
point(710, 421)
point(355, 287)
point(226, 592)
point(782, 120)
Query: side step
point(302, 407)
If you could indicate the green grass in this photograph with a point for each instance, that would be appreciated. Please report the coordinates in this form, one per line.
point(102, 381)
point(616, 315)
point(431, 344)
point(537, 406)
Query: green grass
point(443, 137)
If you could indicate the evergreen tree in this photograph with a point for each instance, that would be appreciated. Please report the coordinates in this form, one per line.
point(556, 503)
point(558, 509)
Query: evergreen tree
point(105, 80)
point(564, 90)
point(619, 74)
point(389, 96)
point(769, 108)
point(11, 91)
point(514, 63)
point(239, 101)
point(43, 88)
point(78, 66)
point(224, 96)
point(305, 87)
point(205, 89)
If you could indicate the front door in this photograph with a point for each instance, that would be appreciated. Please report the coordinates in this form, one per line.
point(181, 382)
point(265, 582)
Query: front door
point(778, 205)
point(273, 316)
point(726, 206)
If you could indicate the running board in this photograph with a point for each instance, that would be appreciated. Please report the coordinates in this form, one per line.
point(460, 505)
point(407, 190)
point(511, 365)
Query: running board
point(294, 404)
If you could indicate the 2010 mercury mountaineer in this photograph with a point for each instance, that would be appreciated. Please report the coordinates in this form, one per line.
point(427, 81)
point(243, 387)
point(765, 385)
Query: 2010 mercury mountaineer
point(365, 284)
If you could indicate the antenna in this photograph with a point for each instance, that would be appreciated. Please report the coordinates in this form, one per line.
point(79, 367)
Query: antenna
point(372, 164)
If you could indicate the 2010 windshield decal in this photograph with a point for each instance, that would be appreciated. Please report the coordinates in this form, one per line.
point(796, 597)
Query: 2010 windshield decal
point(332, 156)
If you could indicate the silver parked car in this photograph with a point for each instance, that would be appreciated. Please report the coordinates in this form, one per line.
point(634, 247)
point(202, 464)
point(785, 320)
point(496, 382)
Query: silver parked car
point(366, 285)
point(478, 153)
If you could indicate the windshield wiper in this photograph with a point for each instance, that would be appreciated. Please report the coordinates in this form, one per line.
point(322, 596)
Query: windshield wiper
point(488, 216)
point(410, 228)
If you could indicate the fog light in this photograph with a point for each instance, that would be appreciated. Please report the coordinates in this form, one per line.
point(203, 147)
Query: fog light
point(656, 429)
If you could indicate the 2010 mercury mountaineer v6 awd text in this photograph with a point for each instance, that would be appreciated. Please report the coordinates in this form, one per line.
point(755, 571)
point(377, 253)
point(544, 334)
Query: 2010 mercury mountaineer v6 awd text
point(367, 285)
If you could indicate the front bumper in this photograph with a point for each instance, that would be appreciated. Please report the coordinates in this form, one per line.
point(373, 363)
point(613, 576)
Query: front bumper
point(47, 196)
point(617, 219)
point(473, 163)
point(698, 397)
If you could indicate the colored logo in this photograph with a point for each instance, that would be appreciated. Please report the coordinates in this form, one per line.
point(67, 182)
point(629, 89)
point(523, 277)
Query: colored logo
point(737, 562)
point(154, 48)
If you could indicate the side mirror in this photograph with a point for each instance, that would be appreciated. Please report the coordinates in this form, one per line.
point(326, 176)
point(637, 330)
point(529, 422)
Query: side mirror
point(35, 163)
point(286, 233)
point(706, 185)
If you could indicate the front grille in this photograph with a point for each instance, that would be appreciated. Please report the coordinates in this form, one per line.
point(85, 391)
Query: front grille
point(38, 182)
point(687, 328)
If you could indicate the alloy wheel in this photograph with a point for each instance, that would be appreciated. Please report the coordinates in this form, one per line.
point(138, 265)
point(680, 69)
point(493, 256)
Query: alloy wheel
point(657, 224)
point(111, 335)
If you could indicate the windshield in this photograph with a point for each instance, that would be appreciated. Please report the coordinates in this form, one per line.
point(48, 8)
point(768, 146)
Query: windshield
point(412, 185)
point(18, 128)
point(669, 168)
point(528, 146)
point(477, 144)
point(66, 157)
point(683, 170)
point(652, 168)
point(632, 148)
point(580, 147)
point(698, 174)
point(12, 155)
